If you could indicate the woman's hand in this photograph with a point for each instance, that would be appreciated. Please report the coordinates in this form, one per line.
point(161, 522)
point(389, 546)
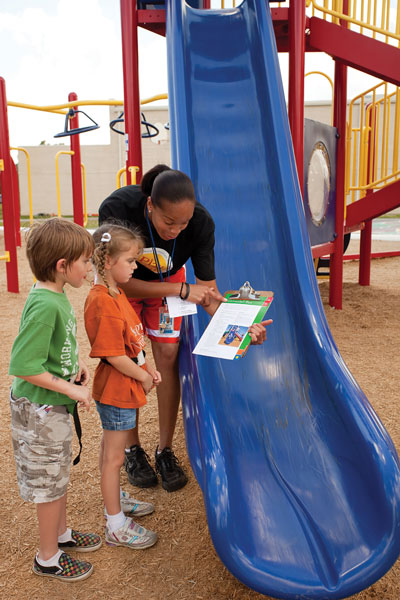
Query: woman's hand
point(204, 295)
point(258, 332)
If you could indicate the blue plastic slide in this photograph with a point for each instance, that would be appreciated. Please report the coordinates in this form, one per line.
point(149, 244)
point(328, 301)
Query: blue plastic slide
point(299, 477)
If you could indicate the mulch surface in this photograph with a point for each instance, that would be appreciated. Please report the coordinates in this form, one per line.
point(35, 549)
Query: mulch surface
point(183, 564)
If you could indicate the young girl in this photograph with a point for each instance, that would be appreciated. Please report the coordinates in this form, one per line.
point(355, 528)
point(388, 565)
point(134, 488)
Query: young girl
point(122, 378)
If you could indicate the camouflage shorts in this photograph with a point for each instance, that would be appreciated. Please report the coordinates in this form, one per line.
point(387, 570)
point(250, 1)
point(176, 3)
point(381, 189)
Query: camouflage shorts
point(41, 437)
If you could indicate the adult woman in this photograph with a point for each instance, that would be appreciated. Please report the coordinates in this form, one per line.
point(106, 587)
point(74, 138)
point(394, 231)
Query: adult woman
point(175, 228)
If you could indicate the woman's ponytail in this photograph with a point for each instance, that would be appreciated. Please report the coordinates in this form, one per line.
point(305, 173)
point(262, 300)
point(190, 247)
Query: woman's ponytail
point(149, 177)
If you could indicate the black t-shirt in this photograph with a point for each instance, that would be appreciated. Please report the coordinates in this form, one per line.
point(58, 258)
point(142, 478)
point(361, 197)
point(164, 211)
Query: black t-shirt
point(196, 242)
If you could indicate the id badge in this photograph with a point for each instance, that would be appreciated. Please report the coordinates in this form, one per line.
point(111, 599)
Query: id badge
point(166, 322)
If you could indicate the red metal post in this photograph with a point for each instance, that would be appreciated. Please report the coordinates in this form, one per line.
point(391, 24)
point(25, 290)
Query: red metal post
point(76, 171)
point(7, 193)
point(339, 121)
point(130, 62)
point(297, 46)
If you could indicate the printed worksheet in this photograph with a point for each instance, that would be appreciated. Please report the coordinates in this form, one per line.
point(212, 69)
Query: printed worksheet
point(227, 333)
point(179, 308)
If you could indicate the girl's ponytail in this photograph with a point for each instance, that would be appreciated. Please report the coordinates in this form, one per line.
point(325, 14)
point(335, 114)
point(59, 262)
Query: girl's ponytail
point(99, 260)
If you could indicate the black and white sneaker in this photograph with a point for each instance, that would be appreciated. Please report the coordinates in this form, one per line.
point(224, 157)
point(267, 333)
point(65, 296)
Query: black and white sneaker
point(138, 468)
point(173, 476)
point(68, 569)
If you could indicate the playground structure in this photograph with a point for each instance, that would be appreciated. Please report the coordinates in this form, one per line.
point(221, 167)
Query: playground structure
point(366, 162)
point(285, 443)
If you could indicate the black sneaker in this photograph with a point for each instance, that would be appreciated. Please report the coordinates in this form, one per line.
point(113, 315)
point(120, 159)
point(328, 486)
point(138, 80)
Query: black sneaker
point(81, 542)
point(68, 569)
point(172, 475)
point(139, 470)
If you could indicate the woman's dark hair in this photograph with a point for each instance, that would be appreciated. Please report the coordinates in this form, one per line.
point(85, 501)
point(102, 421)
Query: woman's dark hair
point(163, 183)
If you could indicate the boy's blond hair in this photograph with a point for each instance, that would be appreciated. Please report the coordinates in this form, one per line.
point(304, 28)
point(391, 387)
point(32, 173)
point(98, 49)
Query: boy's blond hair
point(49, 241)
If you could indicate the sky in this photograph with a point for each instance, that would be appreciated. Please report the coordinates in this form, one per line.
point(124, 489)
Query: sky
point(49, 48)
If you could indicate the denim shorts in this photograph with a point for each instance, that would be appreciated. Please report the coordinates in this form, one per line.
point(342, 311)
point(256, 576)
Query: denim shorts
point(114, 418)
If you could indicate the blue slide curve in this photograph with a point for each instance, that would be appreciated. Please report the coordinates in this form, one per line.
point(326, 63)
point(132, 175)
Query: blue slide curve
point(299, 477)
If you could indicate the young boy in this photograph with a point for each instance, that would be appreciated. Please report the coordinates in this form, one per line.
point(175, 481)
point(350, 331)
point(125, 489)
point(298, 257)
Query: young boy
point(45, 362)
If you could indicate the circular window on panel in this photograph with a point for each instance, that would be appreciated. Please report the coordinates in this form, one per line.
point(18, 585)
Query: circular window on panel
point(318, 183)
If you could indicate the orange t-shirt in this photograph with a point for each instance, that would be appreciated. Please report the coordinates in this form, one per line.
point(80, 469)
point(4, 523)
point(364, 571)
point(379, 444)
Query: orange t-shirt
point(113, 329)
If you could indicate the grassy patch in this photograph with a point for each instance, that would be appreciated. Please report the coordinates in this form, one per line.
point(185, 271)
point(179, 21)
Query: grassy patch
point(92, 220)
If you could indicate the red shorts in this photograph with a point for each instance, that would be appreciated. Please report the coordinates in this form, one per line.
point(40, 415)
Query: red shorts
point(148, 311)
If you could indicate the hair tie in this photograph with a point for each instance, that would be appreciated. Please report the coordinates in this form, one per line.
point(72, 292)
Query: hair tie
point(106, 237)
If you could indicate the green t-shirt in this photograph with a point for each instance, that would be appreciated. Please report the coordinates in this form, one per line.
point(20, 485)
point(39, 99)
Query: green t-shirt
point(46, 341)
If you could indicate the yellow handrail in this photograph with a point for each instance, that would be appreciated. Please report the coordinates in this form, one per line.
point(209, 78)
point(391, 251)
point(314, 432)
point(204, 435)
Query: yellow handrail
point(154, 98)
point(34, 107)
point(28, 171)
point(363, 15)
point(5, 256)
point(71, 153)
point(376, 184)
point(330, 81)
point(57, 108)
point(373, 141)
point(122, 170)
point(132, 171)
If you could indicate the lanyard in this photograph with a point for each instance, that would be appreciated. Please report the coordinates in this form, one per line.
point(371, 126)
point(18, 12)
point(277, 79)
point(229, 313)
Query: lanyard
point(78, 430)
point(155, 255)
